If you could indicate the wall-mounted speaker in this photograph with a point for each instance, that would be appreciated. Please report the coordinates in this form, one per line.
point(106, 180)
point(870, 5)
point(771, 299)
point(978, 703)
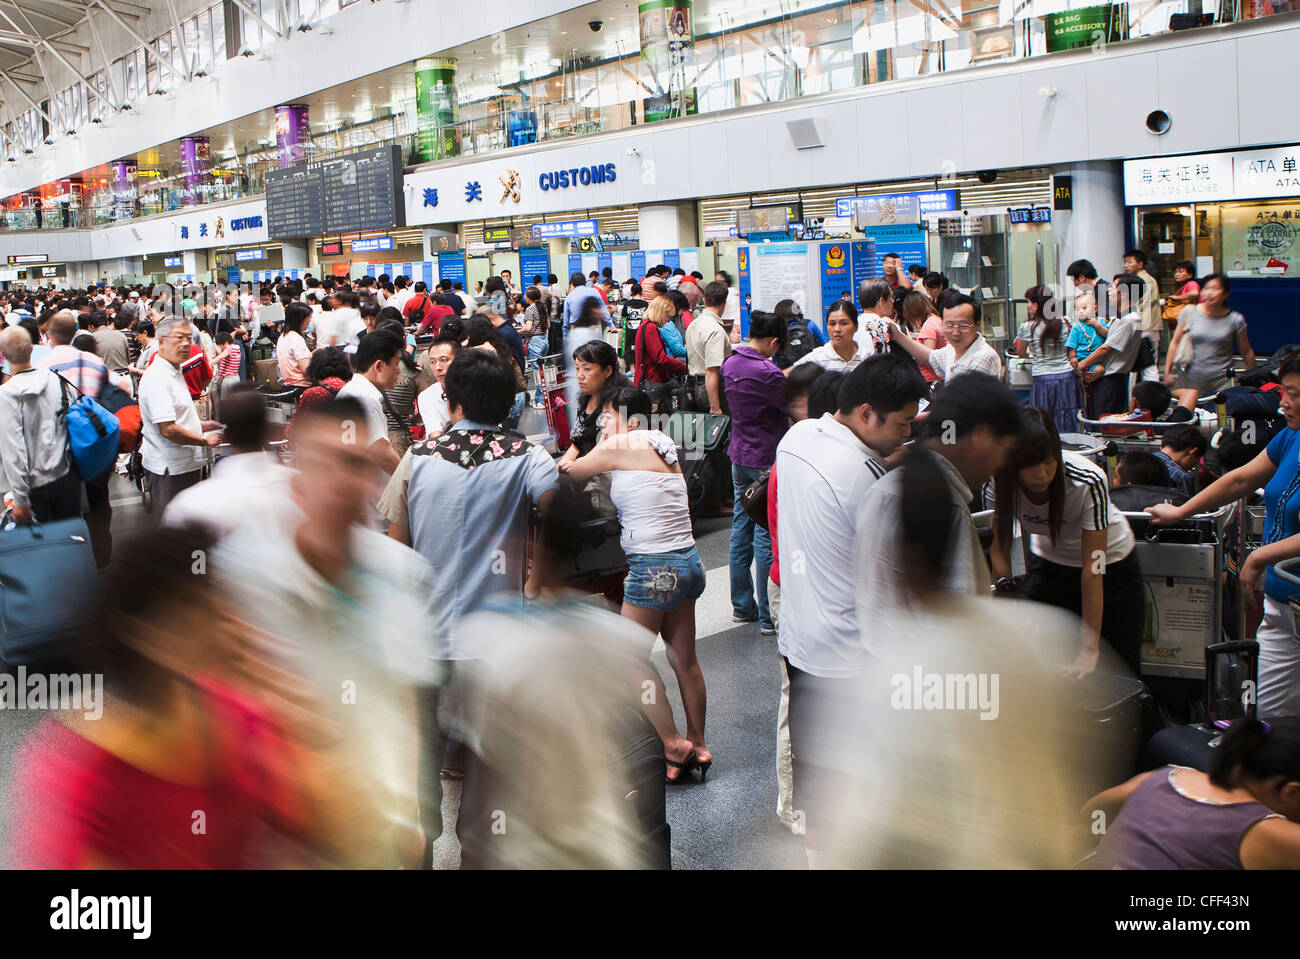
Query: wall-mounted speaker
point(805, 134)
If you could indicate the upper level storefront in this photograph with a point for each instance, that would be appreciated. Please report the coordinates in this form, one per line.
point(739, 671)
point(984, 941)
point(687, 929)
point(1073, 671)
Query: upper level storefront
point(535, 82)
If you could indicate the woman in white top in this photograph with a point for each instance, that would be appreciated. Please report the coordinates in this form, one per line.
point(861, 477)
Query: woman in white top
point(665, 576)
point(840, 352)
point(1081, 556)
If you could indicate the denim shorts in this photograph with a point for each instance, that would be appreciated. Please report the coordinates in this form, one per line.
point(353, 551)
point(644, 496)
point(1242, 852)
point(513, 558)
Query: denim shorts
point(663, 581)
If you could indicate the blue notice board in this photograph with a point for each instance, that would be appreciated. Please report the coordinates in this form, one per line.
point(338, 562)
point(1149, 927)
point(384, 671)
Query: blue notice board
point(451, 266)
point(232, 274)
point(904, 239)
point(533, 261)
point(637, 261)
point(743, 281)
point(604, 261)
point(835, 261)
point(673, 258)
point(864, 264)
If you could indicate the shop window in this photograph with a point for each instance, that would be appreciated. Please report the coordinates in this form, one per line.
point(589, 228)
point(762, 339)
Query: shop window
point(1260, 239)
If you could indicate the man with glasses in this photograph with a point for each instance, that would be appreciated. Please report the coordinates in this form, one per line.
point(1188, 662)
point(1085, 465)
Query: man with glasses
point(174, 438)
point(966, 349)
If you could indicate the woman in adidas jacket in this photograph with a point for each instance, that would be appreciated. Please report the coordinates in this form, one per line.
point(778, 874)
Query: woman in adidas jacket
point(1081, 555)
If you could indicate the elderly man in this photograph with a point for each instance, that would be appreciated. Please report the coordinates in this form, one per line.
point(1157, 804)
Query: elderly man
point(174, 438)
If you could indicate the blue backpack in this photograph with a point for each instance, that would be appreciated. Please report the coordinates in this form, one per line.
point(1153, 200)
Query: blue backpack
point(92, 433)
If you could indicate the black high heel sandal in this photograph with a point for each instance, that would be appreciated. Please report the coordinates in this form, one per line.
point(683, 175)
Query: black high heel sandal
point(703, 767)
point(685, 766)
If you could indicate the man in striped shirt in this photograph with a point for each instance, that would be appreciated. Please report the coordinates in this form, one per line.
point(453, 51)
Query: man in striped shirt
point(87, 373)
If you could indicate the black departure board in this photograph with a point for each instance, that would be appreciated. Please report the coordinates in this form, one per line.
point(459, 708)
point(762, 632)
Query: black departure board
point(349, 194)
point(294, 206)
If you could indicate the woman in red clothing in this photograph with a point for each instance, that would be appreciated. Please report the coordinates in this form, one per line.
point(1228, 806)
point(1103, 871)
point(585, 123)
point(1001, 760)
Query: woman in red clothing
point(654, 364)
point(177, 770)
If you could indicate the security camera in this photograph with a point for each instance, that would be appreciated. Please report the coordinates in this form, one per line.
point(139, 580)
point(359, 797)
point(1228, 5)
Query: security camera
point(595, 25)
point(987, 176)
point(247, 51)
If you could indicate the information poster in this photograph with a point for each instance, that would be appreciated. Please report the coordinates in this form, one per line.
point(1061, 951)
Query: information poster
point(785, 271)
point(575, 264)
point(1261, 240)
point(673, 259)
point(864, 264)
point(746, 292)
point(588, 264)
point(638, 265)
point(690, 261)
point(451, 266)
point(604, 261)
point(836, 271)
point(534, 261)
point(622, 263)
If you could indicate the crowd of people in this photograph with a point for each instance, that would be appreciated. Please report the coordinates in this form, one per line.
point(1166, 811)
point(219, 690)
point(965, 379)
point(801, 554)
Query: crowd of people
point(384, 612)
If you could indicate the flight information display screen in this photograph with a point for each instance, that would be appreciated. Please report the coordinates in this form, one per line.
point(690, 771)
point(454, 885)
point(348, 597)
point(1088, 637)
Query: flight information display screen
point(348, 194)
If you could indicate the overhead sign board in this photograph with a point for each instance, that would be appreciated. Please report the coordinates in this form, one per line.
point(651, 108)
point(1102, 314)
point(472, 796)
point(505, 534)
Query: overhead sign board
point(1204, 177)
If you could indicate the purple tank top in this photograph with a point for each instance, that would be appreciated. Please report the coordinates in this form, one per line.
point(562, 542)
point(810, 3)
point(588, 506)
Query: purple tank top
point(1160, 828)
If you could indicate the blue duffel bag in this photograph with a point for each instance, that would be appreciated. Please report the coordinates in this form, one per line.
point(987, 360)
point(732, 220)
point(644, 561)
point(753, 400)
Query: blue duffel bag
point(48, 589)
point(92, 433)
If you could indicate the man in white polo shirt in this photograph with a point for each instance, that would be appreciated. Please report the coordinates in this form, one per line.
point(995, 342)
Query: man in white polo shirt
point(174, 438)
point(824, 468)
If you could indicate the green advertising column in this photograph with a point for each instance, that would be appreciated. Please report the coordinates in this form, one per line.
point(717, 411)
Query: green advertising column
point(435, 100)
point(668, 55)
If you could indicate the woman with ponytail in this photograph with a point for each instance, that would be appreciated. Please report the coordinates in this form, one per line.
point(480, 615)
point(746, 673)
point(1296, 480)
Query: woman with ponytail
point(1243, 814)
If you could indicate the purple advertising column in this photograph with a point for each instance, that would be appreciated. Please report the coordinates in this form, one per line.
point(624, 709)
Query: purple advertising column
point(194, 165)
point(123, 189)
point(292, 137)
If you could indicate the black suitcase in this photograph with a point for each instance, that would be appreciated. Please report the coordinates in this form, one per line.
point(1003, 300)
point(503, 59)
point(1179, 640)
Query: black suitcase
point(1228, 668)
point(1115, 711)
point(642, 759)
point(701, 440)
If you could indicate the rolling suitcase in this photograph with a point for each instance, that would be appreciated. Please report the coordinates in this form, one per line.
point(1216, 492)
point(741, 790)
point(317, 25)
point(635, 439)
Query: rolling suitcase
point(642, 760)
point(1115, 710)
point(1229, 667)
point(701, 440)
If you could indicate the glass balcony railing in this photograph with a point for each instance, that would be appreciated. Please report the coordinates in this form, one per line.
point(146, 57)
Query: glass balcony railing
point(830, 48)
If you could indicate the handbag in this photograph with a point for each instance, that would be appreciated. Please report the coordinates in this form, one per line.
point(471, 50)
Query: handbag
point(32, 560)
point(1185, 353)
point(753, 498)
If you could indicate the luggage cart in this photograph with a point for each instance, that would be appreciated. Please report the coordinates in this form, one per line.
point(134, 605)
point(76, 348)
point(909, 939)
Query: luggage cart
point(1182, 581)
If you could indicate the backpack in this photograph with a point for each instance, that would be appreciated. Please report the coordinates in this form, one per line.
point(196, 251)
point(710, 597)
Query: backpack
point(799, 342)
point(263, 349)
point(92, 433)
point(124, 406)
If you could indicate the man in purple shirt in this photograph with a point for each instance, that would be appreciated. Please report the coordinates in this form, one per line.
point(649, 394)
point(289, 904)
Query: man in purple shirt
point(755, 391)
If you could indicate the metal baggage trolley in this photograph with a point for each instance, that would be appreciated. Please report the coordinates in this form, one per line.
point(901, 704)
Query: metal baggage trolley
point(1182, 580)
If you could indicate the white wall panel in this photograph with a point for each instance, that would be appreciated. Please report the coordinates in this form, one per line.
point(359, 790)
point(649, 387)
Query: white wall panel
point(1266, 66)
point(1052, 125)
point(990, 124)
point(1193, 93)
